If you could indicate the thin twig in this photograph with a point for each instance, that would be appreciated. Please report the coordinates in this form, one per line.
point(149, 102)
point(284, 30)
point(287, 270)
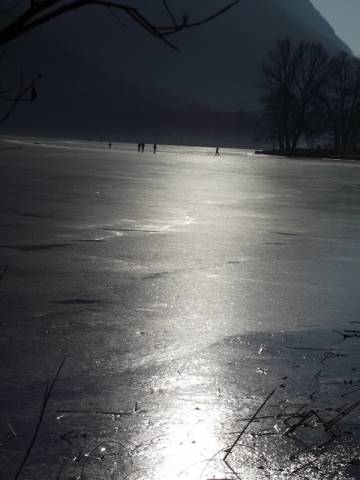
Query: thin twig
point(42, 12)
point(295, 414)
point(305, 465)
point(11, 428)
point(46, 398)
point(349, 393)
point(228, 451)
point(2, 275)
point(185, 24)
point(343, 414)
point(170, 13)
point(20, 97)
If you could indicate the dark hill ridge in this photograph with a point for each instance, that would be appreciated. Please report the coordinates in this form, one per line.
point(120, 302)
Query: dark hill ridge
point(101, 78)
point(217, 64)
point(79, 99)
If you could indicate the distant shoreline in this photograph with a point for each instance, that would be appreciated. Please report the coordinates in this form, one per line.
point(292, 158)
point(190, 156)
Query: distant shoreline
point(18, 142)
point(315, 154)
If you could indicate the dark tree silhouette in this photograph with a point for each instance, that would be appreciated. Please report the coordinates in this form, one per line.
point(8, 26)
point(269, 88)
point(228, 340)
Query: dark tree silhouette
point(341, 100)
point(310, 78)
point(309, 96)
point(279, 71)
point(293, 77)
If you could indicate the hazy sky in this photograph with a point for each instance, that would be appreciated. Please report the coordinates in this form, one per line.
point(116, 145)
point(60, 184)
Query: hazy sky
point(344, 16)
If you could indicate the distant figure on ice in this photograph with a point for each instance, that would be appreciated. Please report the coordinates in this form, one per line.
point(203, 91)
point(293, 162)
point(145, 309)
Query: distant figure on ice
point(139, 146)
point(154, 148)
point(110, 145)
point(217, 153)
point(143, 147)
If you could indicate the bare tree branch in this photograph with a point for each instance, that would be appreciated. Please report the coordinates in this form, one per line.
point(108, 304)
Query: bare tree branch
point(35, 13)
point(21, 96)
point(170, 13)
point(185, 24)
point(46, 397)
point(39, 13)
point(3, 272)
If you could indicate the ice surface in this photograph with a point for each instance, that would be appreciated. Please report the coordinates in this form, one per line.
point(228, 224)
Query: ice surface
point(181, 289)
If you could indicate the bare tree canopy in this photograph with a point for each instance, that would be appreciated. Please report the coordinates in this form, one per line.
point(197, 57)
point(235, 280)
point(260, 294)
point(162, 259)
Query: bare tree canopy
point(25, 15)
point(311, 96)
point(341, 99)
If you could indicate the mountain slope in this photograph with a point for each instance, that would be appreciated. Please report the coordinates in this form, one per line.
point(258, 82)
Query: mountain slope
point(217, 63)
point(306, 13)
point(77, 98)
point(101, 79)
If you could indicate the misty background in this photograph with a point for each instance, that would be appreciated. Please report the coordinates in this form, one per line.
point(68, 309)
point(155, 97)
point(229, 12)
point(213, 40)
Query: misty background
point(104, 80)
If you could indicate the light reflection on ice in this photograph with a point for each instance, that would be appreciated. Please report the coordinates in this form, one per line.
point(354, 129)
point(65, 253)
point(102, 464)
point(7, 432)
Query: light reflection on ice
point(191, 443)
point(161, 226)
point(106, 237)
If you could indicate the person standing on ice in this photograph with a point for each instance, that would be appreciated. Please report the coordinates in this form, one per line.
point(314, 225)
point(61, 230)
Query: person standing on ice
point(217, 153)
point(143, 147)
point(154, 148)
point(110, 145)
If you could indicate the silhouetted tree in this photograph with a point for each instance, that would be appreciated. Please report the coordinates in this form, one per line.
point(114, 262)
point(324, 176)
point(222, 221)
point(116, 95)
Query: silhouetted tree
point(293, 76)
point(279, 98)
point(310, 79)
point(316, 125)
point(341, 100)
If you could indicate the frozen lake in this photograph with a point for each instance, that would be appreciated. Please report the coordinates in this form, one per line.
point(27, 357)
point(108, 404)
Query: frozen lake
point(181, 289)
